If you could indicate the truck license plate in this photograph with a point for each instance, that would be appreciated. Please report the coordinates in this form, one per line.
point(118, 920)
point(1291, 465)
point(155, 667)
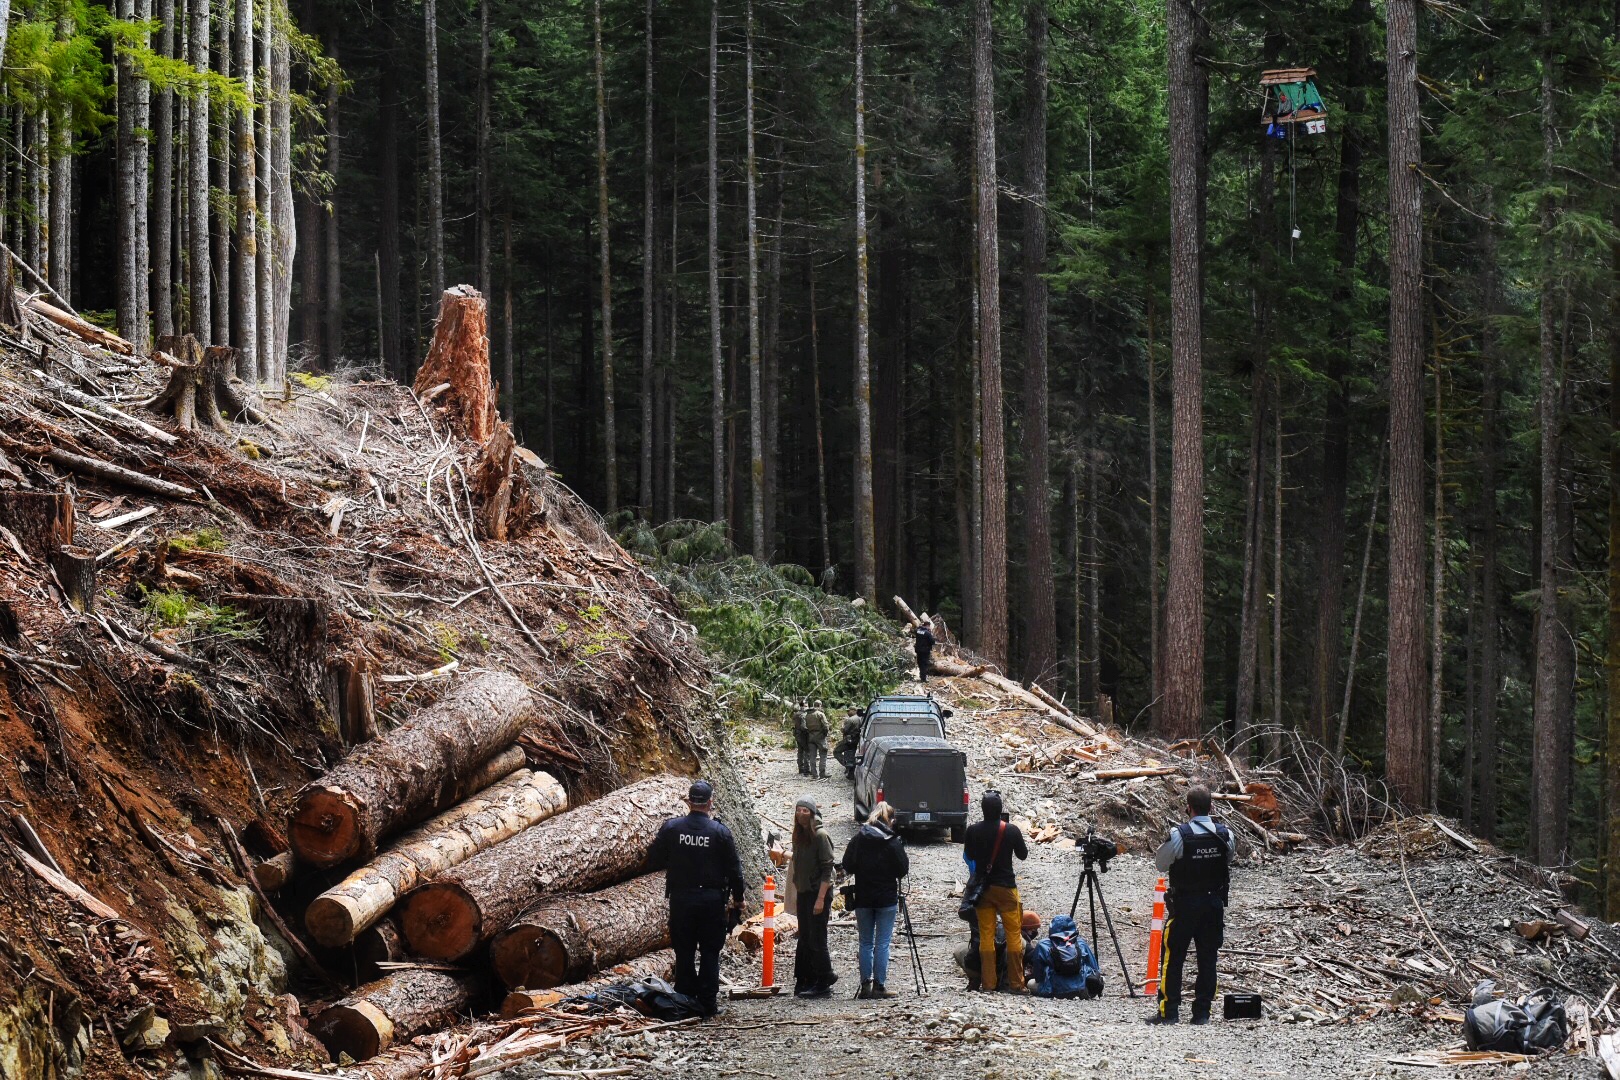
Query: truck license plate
point(923, 816)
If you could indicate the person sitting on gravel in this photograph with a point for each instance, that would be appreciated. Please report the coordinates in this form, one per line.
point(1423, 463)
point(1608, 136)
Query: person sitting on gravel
point(990, 847)
point(968, 957)
point(811, 873)
point(1063, 965)
point(1030, 931)
point(877, 857)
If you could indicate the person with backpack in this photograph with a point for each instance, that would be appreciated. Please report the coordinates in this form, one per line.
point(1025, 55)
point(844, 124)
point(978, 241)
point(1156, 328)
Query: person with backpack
point(1064, 965)
point(992, 890)
point(923, 643)
point(801, 736)
point(877, 857)
point(1198, 858)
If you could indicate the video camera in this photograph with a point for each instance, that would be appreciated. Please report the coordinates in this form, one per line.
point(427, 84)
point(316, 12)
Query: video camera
point(1097, 850)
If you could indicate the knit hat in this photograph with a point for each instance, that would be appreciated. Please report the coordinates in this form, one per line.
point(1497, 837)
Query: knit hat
point(990, 803)
point(807, 803)
point(1032, 921)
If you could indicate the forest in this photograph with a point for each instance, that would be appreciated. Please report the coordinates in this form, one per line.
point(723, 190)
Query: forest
point(1039, 315)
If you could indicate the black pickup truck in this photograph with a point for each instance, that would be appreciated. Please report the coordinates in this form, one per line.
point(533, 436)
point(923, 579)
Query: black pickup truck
point(902, 759)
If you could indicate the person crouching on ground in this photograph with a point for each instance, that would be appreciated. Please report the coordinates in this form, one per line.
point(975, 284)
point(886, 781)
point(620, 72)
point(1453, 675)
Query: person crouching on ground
point(877, 857)
point(811, 872)
point(1198, 859)
point(990, 848)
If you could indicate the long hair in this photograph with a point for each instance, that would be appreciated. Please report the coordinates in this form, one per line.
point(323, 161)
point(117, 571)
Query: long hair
point(882, 814)
point(804, 834)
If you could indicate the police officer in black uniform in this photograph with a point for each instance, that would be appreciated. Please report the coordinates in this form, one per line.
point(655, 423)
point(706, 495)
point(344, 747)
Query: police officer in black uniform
point(1198, 857)
point(701, 870)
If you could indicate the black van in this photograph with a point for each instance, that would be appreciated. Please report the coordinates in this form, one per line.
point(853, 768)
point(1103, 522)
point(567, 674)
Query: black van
point(924, 779)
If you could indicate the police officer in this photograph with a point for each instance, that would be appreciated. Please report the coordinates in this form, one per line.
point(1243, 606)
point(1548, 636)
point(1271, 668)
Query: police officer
point(923, 643)
point(801, 736)
point(816, 724)
point(1198, 857)
point(701, 869)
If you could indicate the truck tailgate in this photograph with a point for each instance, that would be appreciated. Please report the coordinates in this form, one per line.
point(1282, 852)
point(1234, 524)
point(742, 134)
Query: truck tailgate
point(924, 780)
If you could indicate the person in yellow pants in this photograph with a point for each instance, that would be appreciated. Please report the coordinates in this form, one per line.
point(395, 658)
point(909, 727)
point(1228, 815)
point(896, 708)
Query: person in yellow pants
point(990, 847)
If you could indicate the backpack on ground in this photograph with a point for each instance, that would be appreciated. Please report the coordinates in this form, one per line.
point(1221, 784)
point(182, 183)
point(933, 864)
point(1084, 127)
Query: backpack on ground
point(1536, 1022)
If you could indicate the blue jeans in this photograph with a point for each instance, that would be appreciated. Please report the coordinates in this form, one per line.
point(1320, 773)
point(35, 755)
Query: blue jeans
point(876, 926)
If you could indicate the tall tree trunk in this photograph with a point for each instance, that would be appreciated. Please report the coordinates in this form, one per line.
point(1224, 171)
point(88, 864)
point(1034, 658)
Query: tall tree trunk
point(5, 23)
point(1437, 641)
point(332, 305)
point(771, 356)
point(1040, 602)
point(1611, 757)
point(717, 363)
point(1405, 727)
point(1182, 712)
point(199, 297)
point(283, 234)
point(222, 191)
point(1489, 587)
point(610, 430)
point(435, 149)
point(1155, 616)
point(388, 229)
point(815, 403)
point(1273, 733)
point(508, 322)
point(131, 165)
point(244, 273)
point(992, 641)
point(162, 238)
point(1253, 578)
point(648, 344)
point(865, 508)
point(756, 398)
point(61, 211)
point(264, 198)
point(486, 179)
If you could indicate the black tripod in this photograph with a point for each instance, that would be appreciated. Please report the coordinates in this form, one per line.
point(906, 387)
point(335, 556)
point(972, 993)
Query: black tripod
point(910, 934)
point(1092, 884)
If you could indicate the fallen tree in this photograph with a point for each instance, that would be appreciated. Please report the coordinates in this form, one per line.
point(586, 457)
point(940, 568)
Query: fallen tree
point(657, 965)
point(566, 938)
point(413, 771)
point(395, 1007)
point(512, 805)
point(585, 848)
point(1043, 703)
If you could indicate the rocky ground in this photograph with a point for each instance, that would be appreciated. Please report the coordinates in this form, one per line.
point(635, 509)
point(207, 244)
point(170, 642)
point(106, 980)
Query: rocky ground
point(1285, 919)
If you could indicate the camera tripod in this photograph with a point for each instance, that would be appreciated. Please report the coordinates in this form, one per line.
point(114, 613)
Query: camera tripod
point(1091, 883)
point(917, 976)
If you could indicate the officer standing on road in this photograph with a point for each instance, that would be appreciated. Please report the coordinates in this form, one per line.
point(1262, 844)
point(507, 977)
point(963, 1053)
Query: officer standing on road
point(701, 868)
point(923, 643)
point(801, 736)
point(816, 724)
point(1198, 857)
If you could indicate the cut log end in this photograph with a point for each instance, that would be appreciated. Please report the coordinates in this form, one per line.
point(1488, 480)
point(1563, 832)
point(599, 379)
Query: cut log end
point(325, 827)
point(441, 920)
point(530, 956)
point(332, 920)
point(356, 1028)
point(274, 873)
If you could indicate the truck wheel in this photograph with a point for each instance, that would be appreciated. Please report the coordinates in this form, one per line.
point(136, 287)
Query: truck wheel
point(958, 833)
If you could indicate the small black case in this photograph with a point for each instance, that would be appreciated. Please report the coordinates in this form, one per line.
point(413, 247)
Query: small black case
point(1242, 1007)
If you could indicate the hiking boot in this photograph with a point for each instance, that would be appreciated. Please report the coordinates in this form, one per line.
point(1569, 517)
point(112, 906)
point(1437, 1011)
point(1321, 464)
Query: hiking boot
point(1164, 1018)
point(864, 992)
point(880, 991)
point(1199, 1018)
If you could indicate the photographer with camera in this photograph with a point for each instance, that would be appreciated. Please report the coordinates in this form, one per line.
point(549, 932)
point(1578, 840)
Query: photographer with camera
point(877, 857)
point(1198, 858)
point(701, 870)
point(992, 890)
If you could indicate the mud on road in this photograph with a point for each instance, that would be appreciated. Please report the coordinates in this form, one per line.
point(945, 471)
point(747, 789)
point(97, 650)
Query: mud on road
point(950, 1033)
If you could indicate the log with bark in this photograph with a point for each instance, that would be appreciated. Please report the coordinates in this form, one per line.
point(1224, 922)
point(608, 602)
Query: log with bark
point(657, 965)
point(85, 331)
point(409, 774)
point(565, 938)
point(392, 1009)
point(380, 943)
point(459, 356)
point(599, 843)
point(1059, 715)
point(274, 873)
point(42, 521)
point(525, 798)
point(116, 417)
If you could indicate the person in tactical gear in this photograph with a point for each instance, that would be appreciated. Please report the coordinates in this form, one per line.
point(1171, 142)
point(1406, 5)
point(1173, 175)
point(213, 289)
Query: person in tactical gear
point(801, 737)
point(1198, 859)
point(701, 870)
point(816, 724)
point(923, 643)
point(848, 742)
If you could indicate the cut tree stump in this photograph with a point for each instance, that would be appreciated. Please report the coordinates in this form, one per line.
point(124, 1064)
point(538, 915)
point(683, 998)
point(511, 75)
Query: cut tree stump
point(351, 699)
point(566, 938)
point(410, 773)
point(506, 503)
point(42, 521)
point(76, 572)
point(658, 965)
point(525, 798)
point(392, 1009)
point(459, 356)
point(592, 846)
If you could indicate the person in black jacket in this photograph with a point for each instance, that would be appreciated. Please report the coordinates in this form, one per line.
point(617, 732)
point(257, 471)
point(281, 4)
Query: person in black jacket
point(701, 868)
point(990, 848)
point(923, 642)
point(877, 857)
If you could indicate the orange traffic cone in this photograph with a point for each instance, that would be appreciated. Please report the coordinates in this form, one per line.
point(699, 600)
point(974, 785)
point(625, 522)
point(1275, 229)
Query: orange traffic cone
point(768, 976)
point(1155, 940)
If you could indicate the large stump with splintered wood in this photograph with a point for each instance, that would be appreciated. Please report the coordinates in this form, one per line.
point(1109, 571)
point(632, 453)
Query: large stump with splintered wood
point(507, 502)
point(586, 848)
point(566, 938)
point(410, 773)
point(525, 798)
point(656, 965)
point(392, 1009)
point(75, 569)
point(42, 521)
point(459, 357)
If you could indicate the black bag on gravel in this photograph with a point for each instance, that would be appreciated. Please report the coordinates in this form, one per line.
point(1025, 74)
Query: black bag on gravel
point(649, 997)
point(1534, 1023)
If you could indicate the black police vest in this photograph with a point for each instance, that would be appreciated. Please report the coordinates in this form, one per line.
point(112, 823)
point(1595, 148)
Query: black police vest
point(1202, 868)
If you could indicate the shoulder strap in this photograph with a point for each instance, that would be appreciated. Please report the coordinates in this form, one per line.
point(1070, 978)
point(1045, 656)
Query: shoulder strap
point(995, 849)
point(1186, 831)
